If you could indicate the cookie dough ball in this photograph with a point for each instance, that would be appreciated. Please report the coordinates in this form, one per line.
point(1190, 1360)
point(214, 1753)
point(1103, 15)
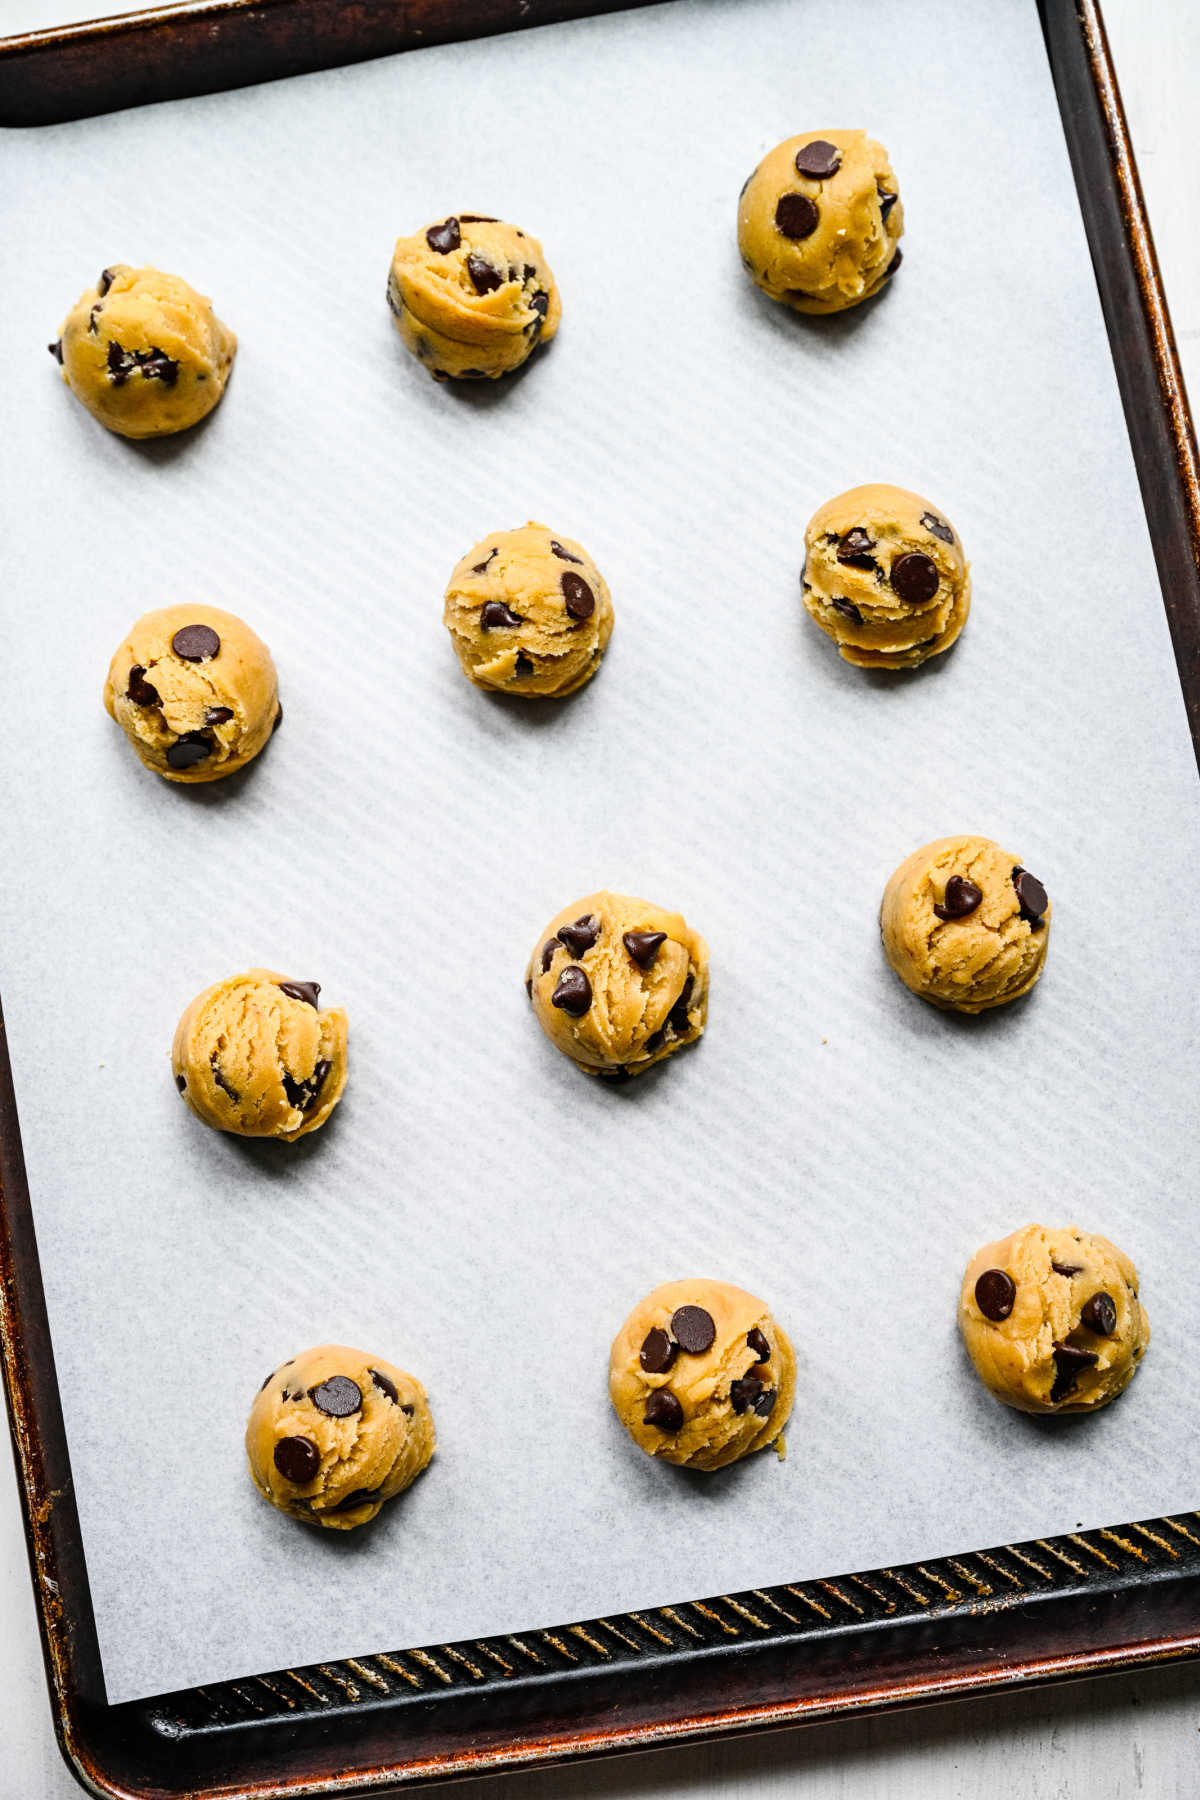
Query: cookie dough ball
point(964, 925)
point(528, 613)
point(1052, 1320)
point(195, 692)
point(617, 984)
point(472, 297)
point(256, 1056)
point(885, 577)
point(820, 221)
point(701, 1374)
point(334, 1433)
point(144, 352)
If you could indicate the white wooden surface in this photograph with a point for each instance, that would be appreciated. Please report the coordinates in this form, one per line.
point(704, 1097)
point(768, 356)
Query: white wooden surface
point(1111, 1739)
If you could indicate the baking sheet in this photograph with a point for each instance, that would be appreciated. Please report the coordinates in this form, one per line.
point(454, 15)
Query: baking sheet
point(477, 1210)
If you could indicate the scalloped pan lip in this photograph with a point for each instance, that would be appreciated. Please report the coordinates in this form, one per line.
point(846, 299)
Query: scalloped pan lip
point(1020, 1614)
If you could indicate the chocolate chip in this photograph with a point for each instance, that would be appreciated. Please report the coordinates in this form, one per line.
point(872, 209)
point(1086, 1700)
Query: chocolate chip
point(962, 898)
point(664, 1410)
point(278, 718)
point(93, 328)
point(181, 1084)
point(1066, 1268)
point(190, 749)
point(359, 1497)
point(55, 350)
point(386, 1385)
point(796, 216)
point(818, 160)
point(297, 1459)
point(477, 219)
point(218, 715)
point(694, 1329)
point(306, 991)
point(524, 663)
point(848, 610)
point(121, 364)
point(1100, 1314)
point(895, 262)
point(657, 1352)
point(484, 278)
point(222, 1080)
point(139, 689)
point(678, 1015)
point(529, 986)
point(644, 946)
point(915, 578)
point(106, 280)
point(304, 1094)
point(580, 936)
point(196, 643)
point(1032, 897)
point(1069, 1363)
point(266, 1384)
point(481, 568)
point(573, 995)
point(548, 950)
point(995, 1293)
point(578, 597)
point(154, 364)
point(338, 1396)
point(855, 548)
point(938, 527)
point(409, 1410)
point(744, 1392)
point(758, 1343)
point(563, 555)
point(472, 374)
point(886, 200)
point(444, 237)
point(765, 1402)
point(655, 1041)
point(498, 617)
point(540, 302)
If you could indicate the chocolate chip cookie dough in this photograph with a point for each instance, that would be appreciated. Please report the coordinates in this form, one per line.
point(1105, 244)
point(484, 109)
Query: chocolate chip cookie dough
point(617, 984)
point(195, 692)
point(472, 297)
point(885, 577)
point(1052, 1320)
point(144, 352)
point(256, 1056)
point(334, 1433)
point(964, 925)
point(528, 613)
point(820, 221)
point(701, 1374)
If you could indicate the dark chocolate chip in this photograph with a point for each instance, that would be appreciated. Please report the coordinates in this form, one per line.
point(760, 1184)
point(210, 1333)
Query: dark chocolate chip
point(855, 548)
point(181, 1083)
point(55, 350)
point(105, 282)
point(484, 278)
point(818, 160)
point(1066, 1268)
point(524, 663)
point(895, 262)
point(848, 610)
point(359, 1497)
point(563, 555)
point(578, 597)
point(1069, 1363)
point(266, 1384)
point(540, 302)
point(677, 1018)
point(338, 1396)
point(222, 1080)
point(962, 898)
point(93, 328)
point(765, 1402)
point(1032, 897)
point(938, 527)
point(658, 1352)
point(218, 715)
point(573, 994)
point(139, 689)
point(156, 365)
point(655, 1041)
point(121, 364)
point(477, 219)
point(304, 1094)
point(444, 237)
point(306, 991)
point(529, 986)
point(297, 1459)
point(495, 616)
point(796, 216)
point(190, 749)
point(995, 1293)
point(580, 936)
point(481, 568)
point(410, 1410)
point(663, 1409)
point(1100, 1314)
point(196, 643)
point(386, 1385)
point(644, 946)
point(758, 1343)
point(472, 374)
point(915, 577)
point(744, 1392)
point(886, 200)
point(694, 1329)
point(548, 950)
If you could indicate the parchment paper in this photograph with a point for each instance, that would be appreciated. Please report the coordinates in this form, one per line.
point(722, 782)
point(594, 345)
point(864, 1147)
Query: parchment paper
point(478, 1211)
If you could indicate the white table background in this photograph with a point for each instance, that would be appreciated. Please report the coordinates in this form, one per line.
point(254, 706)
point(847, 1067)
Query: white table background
point(1107, 1740)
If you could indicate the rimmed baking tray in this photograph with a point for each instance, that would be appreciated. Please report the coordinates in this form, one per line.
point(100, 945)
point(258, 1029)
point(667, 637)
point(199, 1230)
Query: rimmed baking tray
point(1023, 1612)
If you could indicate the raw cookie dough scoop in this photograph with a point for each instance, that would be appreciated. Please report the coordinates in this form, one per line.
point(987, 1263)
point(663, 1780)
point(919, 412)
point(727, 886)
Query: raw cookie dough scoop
point(528, 614)
point(472, 297)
